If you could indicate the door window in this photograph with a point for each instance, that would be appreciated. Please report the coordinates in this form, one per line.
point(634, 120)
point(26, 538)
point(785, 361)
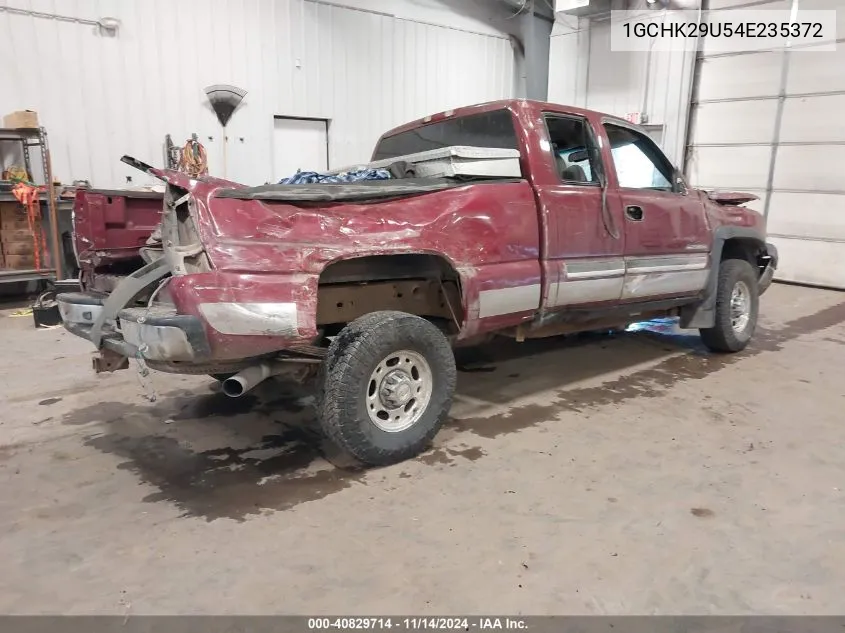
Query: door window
point(639, 162)
point(572, 149)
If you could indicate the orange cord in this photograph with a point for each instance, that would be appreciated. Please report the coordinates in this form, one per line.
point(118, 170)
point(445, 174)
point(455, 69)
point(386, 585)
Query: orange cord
point(27, 195)
point(193, 160)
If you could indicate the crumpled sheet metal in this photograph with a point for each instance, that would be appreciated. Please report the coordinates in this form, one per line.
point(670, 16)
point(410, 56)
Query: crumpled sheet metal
point(342, 192)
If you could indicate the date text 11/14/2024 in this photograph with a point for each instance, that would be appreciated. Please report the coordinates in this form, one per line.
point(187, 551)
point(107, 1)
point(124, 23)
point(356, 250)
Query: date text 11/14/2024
point(416, 623)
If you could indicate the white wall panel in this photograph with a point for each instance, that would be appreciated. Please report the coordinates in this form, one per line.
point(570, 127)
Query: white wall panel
point(475, 15)
point(811, 215)
point(710, 45)
point(815, 119)
point(730, 167)
point(616, 83)
point(811, 167)
point(567, 72)
point(101, 97)
point(584, 71)
point(817, 71)
point(815, 262)
point(740, 117)
point(735, 122)
point(824, 5)
point(735, 76)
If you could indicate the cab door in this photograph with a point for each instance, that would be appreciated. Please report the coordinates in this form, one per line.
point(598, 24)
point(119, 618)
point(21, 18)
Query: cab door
point(667, 236)
point(582, 259)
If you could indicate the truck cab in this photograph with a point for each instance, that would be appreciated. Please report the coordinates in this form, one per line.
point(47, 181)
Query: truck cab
point(559, 220)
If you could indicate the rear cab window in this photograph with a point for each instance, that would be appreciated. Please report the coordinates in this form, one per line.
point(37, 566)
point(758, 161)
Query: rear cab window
point(486, 129)
point(572, 149)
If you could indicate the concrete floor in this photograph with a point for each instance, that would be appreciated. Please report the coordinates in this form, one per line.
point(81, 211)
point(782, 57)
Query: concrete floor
point(625, 474)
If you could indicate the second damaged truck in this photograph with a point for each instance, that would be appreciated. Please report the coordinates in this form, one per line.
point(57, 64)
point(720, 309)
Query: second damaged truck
point(580, 223)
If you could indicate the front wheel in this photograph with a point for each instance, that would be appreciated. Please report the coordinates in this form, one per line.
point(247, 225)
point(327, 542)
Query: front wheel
point(737, 304)
point(387, 387)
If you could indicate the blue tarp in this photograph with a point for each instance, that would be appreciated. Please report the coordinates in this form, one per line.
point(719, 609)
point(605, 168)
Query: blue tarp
point(313, 177)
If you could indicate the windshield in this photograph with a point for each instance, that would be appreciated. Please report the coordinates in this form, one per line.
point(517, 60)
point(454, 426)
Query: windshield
point(487, 129)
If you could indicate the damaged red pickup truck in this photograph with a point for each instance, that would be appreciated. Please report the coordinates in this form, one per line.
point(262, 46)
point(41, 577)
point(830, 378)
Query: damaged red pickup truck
point(368, 286)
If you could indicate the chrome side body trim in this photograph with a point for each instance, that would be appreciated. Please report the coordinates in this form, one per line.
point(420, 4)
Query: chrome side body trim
point(508, 300)
point(671, 263)
point(274, 319)
point(592, 269)
point(586, 291)
point(617, 278)
point(664, 283)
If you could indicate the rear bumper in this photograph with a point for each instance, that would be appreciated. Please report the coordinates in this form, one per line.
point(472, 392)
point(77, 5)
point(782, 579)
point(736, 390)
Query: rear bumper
point(215, 317)
point(155, 334)
point(769, 271)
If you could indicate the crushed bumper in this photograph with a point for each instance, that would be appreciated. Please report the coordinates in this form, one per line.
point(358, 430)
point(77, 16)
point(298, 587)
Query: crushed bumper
point(214, 317)
point(155, 333)
point(769, 270)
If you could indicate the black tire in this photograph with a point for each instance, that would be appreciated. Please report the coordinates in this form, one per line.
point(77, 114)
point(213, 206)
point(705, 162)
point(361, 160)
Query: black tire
point(353, 357)
point(722, 337)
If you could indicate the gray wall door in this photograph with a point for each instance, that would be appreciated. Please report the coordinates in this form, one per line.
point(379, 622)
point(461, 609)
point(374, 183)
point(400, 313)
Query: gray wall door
point(771, 123)
point(299, 144)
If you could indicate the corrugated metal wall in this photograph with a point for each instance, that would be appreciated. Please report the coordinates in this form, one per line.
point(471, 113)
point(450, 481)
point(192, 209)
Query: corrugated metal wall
point(569, 52)
point(101, 96)
point(583, 71)
point(770, 123)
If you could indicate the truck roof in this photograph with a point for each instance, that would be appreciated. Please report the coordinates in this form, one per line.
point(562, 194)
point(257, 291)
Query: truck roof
point(514, 105)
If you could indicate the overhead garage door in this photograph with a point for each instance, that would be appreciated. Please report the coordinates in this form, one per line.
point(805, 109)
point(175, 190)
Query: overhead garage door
point(771, 123)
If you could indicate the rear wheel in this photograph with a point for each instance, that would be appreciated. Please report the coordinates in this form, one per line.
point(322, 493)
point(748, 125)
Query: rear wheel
point(737, 304)
point(387, 387)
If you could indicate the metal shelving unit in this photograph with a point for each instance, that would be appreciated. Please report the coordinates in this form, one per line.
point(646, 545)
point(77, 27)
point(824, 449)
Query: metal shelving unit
point(29, 138)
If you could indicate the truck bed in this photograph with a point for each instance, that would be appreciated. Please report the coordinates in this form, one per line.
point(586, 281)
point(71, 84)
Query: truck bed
point(110, 225)
point(367, 190)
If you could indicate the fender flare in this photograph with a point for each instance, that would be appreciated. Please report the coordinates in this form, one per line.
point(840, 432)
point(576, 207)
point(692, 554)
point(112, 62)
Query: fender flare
point(703, 314)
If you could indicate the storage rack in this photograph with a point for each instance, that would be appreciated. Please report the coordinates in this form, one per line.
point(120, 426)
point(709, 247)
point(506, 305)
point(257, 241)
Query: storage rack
point(28, 138)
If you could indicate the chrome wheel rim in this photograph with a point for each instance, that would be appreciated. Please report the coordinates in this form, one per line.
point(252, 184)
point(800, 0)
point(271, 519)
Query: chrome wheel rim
point(398, 391)
point(740, 307)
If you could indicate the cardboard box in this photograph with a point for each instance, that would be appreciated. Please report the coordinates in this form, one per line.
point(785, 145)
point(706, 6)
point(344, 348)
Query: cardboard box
point(14, 225)
point(12, 211)
point(19, 262)
point(21, 119)
point(13, 217)
point(18, 248)
point(11, 208)
point(17, 235)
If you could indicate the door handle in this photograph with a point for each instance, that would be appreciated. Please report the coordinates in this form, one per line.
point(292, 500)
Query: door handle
point(634, 213)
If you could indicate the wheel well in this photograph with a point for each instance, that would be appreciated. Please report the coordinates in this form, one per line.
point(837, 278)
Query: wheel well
point(746, 248)
point(420, 284)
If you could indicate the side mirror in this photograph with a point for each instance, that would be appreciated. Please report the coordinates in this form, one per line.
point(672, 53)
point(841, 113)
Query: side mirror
point(679, 184)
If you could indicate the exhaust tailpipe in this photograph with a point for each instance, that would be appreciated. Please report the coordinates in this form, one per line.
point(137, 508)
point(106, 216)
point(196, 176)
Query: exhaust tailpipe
point(244, 380)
